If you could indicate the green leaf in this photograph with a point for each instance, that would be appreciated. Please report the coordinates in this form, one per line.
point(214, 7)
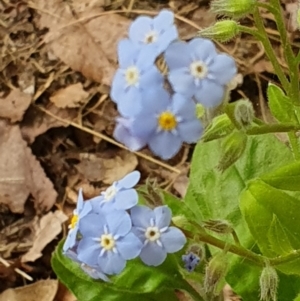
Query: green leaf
point(280, 105)
point(87, 289)
point(215, 195)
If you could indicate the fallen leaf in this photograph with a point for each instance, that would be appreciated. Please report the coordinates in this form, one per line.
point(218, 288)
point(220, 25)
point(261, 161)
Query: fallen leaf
point(36, 122)
point(88, 46)
point(180, 185)
point(64, 294)
point(21, 174)
point(69, 97)
point(14, 105)
point(44, 231)
point(107, 170)
point(43, 290)
point(292, 10)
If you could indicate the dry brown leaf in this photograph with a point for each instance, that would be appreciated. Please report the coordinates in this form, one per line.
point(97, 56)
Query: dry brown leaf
point(64, 294)
point(21, 174)
point(36, 122)
point(14, 105)
point(44, 231)
point(90, 46)
point(180, 185)
point(69, 97)
point(292, 10)
point(108, 170)
point(43, 290)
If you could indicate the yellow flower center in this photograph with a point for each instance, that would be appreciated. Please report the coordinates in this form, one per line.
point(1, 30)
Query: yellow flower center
point(107, 242)
point(74, 221)
point(132, 75)
point(167, 121)
point(152, 233)
point(198, 69)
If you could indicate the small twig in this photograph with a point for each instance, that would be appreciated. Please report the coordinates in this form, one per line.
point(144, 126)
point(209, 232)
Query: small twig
point(110, 140)
point(17, 270)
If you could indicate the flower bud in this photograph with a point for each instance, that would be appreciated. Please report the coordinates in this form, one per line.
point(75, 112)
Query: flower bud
point(218, 226)
point(232, 147)
point(215, 272)
point(268, 284)
point(220, 126)
point(233, 8)
point(222, 31)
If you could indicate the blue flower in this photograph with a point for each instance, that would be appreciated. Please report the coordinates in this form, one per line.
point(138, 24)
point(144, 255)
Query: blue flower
point(166, 123)
point(196, 69)
point(107, 241)
point(190, 260)
point(119, 196)
point(159, 31)
point(123, 134)
point(135, 74)
point(152, 227)
point(82, 209)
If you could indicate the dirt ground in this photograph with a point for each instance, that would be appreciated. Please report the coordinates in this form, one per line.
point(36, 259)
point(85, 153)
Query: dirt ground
point(56, 118)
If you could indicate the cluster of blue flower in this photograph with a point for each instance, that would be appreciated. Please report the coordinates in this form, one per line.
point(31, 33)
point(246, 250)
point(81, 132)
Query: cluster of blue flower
point(151, 114)
point(112, 228)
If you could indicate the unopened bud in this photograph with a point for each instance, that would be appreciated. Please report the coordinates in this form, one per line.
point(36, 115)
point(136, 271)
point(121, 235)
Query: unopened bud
point(268, 284)
point(220, 126)
point(233, 8)
point(233, 147)
point(222, 31)
point(218, 226)
point(215, 272)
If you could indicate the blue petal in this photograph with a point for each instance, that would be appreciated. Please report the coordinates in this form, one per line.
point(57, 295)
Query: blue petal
point(126, 199)
point(94, 273)
point(92, 225)
point(151, 78)
point(144, 126)
point(202, 49)
point(163, 216)
point(119, 222)
point(96, 203)
point(111, 263)
point(165, 39)
point(173, 240)
point(139, 28)
point(190, 131)
point(176, 61)
point(80, 201)
point(130, 104)
point(141, 216)
point(71, 254)
point(127, 51)
point(163, 20)
point(210, 94)
point(118, 86)
point(155, 100)
point(88, 250)
point(129, 180)
point(123, 134)
point(165, 144)
point(183, 106)
point(87, 208)
point(223, 69)
point(153, 255)
point(146, 57)
point(129, 246)
point(182, 82)
point(70, 240)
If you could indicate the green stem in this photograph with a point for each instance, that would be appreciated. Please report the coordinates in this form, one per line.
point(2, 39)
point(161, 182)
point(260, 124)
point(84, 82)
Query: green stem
point(272, 128)
point(295, 255)
point(294, 144)
point(269, 50)
point(193, 293)
point(275, 8)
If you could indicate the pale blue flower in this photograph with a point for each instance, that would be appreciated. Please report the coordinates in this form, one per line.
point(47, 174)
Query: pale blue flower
point(119, 196)
point(166, 122)
point(123, 134)
point(153, 229)
point(135, 74)
point(82, 209)
point(159, 31)
point(191, 260)
point(197, 70)
point(107, 241)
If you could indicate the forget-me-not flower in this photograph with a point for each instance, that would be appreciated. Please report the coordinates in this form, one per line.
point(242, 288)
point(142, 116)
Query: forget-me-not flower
point(82, 209)
point(159, 31)
point(166, 122)
point(122, 133)
point(152, 228)
point(135, 74)
point(196, 69)
point(119, 196)
point(107, 241)
point(191, 260)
